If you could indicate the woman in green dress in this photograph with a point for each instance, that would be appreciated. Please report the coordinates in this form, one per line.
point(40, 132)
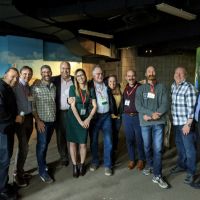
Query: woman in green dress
point(83, 107)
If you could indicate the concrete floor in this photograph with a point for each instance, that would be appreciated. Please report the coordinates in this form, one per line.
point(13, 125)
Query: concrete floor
point(123, 185)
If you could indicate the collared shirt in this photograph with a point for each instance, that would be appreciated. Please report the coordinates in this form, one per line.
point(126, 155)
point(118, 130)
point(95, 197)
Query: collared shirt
point(44, 101)
point(102, 98)
point(65, 85)
point(183, 102)
point(22, 92)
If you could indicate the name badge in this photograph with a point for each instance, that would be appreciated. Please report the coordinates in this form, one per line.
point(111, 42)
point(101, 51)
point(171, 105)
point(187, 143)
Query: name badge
point(83, 111)
point(127, 102)
point(104, 101)
point(151, 95)
point(30, 98)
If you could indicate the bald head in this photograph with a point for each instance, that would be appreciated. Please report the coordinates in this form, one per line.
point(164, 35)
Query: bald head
point(11, 76)
point(131, 77)
point(180, 75)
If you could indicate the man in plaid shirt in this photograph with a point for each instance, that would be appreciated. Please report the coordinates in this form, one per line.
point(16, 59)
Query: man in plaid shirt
point(44, 111)
point(182, 109)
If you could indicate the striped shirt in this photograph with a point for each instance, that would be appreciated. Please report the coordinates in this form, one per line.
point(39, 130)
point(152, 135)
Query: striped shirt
point(44, 101)
point(183, 102)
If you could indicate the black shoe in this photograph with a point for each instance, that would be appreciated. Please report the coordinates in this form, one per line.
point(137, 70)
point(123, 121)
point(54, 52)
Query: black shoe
point(75, 171)
point(27, 175)
point(20, 181)
point(195, 185)
point(8, 196)
point(176, 169)
point(82, 169)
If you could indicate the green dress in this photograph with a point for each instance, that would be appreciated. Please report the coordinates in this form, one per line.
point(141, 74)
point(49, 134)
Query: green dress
point(75, 132)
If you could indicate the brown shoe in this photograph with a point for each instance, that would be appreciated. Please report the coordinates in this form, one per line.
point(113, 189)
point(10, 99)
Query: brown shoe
point(131, 164)
point(140, 165)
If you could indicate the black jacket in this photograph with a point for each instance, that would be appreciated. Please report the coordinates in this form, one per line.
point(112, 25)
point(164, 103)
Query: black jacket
point(8, 106)
point(57, 82)
point(112, 103)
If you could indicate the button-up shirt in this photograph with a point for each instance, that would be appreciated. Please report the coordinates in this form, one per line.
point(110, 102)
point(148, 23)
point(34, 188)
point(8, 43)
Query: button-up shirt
point(22, 92)
point(65, 85)
point(183, 102)
point(44, 101)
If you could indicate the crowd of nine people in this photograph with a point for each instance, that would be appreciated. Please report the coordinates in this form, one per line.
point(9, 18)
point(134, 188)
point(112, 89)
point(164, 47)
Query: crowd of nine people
point(77, 108)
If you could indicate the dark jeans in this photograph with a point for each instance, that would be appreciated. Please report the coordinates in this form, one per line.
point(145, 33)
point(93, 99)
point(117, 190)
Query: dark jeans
point(61, 132)
point(185, 145)
point(6, 150)
point(102, 122)
point(133, 136)
point(23, 132)
point(153, 139)
point(116, 125)
point(43, 140)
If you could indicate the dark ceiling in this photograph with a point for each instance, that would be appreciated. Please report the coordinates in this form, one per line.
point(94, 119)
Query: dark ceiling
point(131, 22)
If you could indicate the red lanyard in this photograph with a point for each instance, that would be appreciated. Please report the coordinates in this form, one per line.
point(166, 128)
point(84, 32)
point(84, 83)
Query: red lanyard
point(152, 88)
point(83, 98)
point(129, 93)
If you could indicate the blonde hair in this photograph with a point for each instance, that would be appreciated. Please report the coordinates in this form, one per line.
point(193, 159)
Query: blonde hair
point(76, 84)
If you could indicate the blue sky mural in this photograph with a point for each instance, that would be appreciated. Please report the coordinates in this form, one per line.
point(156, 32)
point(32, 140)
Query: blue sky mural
point(15, 50)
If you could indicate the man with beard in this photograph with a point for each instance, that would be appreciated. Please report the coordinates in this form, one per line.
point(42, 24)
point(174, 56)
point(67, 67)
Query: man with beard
point(131, 122)
point(62, 83)
point(44, 112)
point(8, 117)
point(152, 105)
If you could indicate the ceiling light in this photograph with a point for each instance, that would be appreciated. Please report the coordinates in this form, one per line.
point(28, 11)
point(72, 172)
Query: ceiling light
point(175, 11)
point(96, 34)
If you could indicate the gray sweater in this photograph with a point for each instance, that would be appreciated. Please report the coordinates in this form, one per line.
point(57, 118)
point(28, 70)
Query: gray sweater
point(147, 106)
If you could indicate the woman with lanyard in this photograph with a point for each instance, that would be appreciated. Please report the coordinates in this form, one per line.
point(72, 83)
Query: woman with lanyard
point(78, 120)
point(115, 91)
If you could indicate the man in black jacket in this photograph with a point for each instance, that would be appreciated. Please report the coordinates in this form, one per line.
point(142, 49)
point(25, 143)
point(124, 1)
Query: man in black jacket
point(8, 113)
point(62, 83)
point(101, 121)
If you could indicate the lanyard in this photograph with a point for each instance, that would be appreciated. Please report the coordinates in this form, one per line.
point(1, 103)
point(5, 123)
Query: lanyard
point(129, 93)
point(100, 91)
point(83, 98)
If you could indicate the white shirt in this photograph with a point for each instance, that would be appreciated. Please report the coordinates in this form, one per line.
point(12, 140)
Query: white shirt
point(65, 85)
point(102, 98)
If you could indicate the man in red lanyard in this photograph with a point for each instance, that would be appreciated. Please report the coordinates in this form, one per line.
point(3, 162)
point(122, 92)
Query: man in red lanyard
point(152, 104)
point(23, 130)
point(131, 122)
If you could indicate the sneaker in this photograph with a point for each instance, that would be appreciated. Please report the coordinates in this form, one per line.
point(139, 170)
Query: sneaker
point(159, 180)
point(108, 171)
point(46, 178)
point(189, 179)
point(20, 181)
point(93, 167)
point(176, 169)
point(147, 171)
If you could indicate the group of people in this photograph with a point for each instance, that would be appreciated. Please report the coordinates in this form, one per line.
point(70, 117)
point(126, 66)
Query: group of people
point(77, 108)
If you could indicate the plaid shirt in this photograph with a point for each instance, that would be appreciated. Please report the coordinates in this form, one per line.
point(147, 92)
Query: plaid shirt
point(183, 102)
point(44, 101)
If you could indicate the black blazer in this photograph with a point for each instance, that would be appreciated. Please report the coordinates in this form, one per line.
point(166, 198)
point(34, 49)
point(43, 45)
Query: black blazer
point(57, 82)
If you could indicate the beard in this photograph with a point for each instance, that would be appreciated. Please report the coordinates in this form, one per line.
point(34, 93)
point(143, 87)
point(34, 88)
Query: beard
point(151, 77)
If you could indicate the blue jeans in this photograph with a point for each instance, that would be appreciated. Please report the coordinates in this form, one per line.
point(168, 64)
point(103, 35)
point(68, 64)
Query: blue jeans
point(185, 145)
point(153, 140)
point(102, 122)
point(116, 125)
point(133, 136)
point(6, 148)
point(43, 140)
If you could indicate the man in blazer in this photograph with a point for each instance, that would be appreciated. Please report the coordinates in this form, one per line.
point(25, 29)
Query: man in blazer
point(62, 83)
